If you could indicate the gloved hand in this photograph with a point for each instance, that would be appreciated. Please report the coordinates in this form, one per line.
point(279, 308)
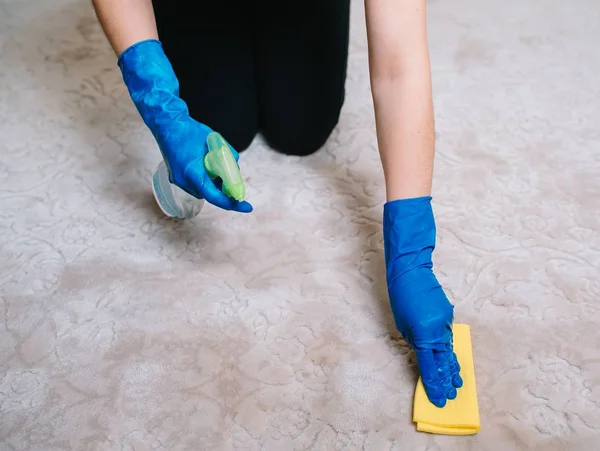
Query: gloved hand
point(154, 89)
point(421, 310)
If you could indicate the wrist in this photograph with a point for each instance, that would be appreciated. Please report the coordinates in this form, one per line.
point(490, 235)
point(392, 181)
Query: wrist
point(142, 43)
point(407, 183)
point(409, 215)
point(409, 234)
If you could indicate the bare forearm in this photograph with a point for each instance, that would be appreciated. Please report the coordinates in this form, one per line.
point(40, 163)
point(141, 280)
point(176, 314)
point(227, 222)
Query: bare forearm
point(405, 134)
point(401, 87)
point(126, 22)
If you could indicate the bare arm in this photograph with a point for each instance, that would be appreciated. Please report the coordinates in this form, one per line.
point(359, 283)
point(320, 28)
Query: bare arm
point(401, 87)
point(126, 22)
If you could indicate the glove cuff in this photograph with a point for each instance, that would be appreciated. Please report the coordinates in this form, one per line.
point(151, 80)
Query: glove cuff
point(152, 83)
point(409, 234)
point(145, 43)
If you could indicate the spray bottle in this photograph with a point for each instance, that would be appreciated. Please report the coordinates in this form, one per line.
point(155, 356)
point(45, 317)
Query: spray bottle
point(219, 162)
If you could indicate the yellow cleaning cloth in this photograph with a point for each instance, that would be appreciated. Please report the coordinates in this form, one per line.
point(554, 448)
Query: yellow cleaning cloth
point(459, 416)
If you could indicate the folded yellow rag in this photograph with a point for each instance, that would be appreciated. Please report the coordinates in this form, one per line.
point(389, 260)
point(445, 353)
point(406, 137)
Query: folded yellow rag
point(459, 416)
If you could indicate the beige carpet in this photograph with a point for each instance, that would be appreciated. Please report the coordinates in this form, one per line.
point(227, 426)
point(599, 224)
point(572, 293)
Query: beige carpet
point(122, 330)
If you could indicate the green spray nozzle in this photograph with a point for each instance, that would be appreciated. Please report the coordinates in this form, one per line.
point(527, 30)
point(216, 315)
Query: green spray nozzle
point(219, 162)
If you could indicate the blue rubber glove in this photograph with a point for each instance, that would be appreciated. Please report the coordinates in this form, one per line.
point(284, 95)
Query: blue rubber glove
point(154, 89)
point(422, 312)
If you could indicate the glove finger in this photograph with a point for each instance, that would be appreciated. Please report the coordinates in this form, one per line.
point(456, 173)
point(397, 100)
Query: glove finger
point(455, 370)
point(452, 394)
point(197, 175)
point(445, 368)
point(217, 198)
point(243, 206)
point(448, 367)
point(204, 185)
point(430, 376)
point(457, 381)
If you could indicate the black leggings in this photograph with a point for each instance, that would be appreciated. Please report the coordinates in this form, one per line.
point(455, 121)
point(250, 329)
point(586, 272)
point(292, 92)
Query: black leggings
point(268, 66)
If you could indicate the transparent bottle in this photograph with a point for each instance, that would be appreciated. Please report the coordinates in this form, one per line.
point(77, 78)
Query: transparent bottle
point(172, 200)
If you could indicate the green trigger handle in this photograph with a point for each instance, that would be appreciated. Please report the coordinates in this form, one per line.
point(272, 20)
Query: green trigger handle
point(219, 162)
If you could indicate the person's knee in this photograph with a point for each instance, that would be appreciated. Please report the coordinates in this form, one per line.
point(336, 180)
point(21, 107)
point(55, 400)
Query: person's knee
point(239, 129)
point(239, 138)
point(301, 138)
point(238, 133)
